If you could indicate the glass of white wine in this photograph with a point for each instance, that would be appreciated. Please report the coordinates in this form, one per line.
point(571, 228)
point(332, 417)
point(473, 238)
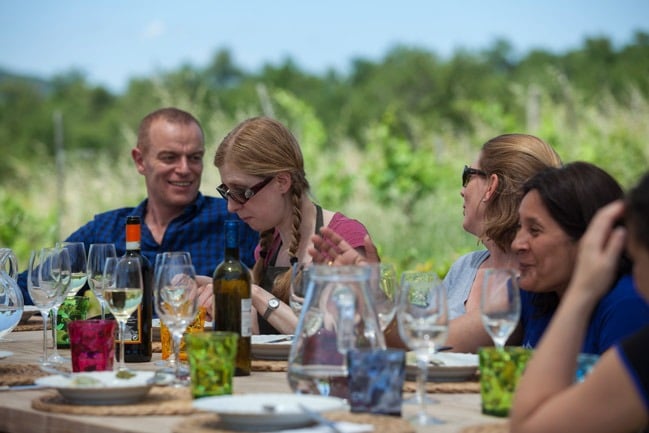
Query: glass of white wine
point(77, 257)
point(122, 293)
point(500, 304)
point(79, 275)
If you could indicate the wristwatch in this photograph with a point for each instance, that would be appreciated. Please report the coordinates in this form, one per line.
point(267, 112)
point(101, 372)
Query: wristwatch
point(273, 304)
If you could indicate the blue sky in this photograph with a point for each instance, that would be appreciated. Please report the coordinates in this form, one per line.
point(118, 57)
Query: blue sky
point(112, 41)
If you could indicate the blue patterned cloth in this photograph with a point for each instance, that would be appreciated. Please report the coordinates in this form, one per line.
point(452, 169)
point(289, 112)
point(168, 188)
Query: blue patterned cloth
point(198, 230)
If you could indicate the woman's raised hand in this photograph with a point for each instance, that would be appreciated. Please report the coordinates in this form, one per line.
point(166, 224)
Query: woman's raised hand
point(329, 247)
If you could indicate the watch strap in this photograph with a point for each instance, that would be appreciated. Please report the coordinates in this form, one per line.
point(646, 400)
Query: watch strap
point(270, 308)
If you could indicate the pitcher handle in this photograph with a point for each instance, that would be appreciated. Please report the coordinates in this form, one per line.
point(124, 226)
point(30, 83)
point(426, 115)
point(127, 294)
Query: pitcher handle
point(8, 254)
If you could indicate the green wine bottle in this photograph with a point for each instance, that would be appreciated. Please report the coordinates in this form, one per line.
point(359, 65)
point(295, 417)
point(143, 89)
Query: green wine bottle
point(232, 302)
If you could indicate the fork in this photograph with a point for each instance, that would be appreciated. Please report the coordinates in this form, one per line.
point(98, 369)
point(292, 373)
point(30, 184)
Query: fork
point(315, 416)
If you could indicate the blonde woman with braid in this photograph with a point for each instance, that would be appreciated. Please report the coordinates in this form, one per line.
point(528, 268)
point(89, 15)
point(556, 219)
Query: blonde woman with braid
point(262, 170)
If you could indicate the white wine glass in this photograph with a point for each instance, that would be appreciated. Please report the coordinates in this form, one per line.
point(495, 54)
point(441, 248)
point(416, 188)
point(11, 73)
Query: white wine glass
point(180, 257)
point(78, 268)
point(500, 304)
point(383, 291)
point(54, 275)
point(97, 255)
point(422, 317)
point(176, 303)
point(300, 273)
point(77, 256)
point(123, 294)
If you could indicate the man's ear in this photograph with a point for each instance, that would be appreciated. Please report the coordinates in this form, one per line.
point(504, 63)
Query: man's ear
point(491, 189)
point(138, 159)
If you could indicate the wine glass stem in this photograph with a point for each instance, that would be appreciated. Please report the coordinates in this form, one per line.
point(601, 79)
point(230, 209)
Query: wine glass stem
point(176, 337)
point(122, 328)
point(44, 315)
point(102, 308)
point(422, 376)
point(55, 313)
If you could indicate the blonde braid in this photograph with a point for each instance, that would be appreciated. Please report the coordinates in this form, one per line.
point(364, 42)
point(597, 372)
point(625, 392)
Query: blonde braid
point(281, 286)
point(265, 242)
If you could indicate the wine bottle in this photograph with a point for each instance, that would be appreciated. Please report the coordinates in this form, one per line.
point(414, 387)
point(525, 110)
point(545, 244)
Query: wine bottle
point(232, 302)
point(138, 336)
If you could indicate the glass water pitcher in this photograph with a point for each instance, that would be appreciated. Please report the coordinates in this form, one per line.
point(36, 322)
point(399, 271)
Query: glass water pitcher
point(337, 316)
point(11, 298)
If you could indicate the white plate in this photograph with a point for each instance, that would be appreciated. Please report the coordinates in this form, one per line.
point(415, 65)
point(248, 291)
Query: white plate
point(108, 391)
point(447, 366)
point(5, 354)
point(274, 347)
point(262, 412)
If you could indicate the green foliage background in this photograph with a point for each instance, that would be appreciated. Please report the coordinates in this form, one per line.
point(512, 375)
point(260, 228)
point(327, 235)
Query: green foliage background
point(384, 143)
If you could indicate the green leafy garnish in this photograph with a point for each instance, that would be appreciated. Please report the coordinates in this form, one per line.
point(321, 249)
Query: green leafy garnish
point(124, 374)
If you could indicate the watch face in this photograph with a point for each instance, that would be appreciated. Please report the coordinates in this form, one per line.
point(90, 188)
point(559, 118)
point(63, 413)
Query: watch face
point(273, 303)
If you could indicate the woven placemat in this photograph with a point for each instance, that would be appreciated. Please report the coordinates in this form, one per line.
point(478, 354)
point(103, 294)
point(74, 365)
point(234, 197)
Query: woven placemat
point(268, 365)
point(502, 427)
point(19, 374)
point(445, 387)
point(381, 423)
point(256, 364)
point(32, 324)
point(159, 401)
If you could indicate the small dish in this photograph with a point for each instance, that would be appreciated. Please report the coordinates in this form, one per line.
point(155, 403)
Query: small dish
point(271, 347)
point(445, 366)
point(28, 312)
point(5, 354)
point(264, 412)
point(100, 387)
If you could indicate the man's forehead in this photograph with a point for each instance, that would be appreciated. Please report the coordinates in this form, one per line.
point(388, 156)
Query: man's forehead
point(165, 136)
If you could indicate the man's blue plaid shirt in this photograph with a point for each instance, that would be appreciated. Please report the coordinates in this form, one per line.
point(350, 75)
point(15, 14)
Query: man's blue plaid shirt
point(198, 230)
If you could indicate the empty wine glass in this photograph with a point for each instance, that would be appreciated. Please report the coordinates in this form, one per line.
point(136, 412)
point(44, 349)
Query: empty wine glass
point(500, 304)
point(122, 293)
point(422, 316)
point(300, 273)
point(382, 291)
point(176, 303)
point(179, 257)
point(54, 275)
point(45, 297)
point(97, 255)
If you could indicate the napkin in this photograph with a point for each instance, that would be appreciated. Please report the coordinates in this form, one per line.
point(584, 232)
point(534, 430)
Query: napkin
point(344, 427)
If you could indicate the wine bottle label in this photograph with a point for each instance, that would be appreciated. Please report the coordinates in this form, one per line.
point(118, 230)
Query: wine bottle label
point(133, 329)
point(246, 317)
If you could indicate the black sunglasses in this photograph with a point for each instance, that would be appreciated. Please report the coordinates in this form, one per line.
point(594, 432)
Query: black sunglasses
point(240, 195)
point(468, 172)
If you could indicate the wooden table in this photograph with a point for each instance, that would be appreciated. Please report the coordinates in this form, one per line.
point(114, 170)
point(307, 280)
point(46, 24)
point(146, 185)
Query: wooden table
point(16, 414)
